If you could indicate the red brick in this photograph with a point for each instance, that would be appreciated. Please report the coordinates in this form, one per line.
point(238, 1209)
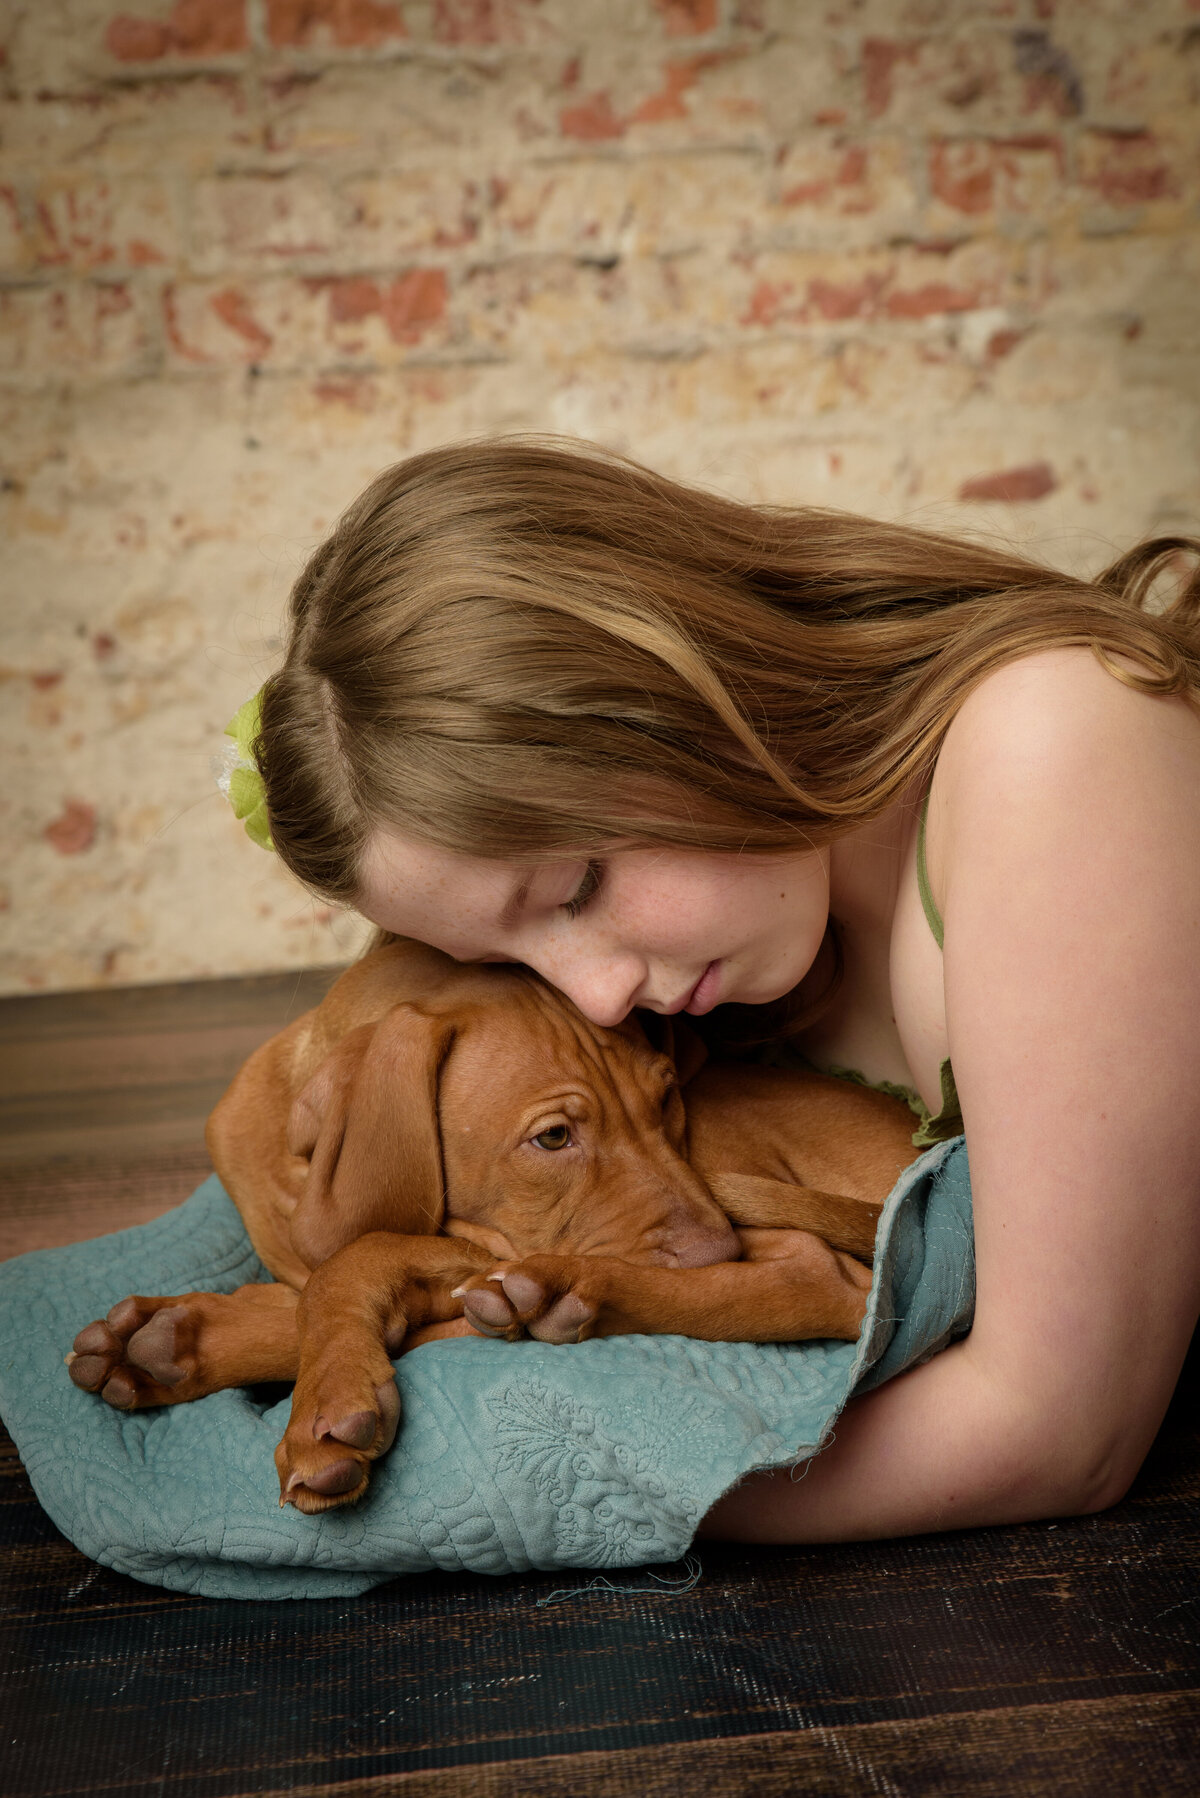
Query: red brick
point(394, 217)
point(879, 59)
point(232, 309)
point(841, 300)
point(668, 101)
point(779, 302)
point(592, 121)
point(74, 830)
point(932, 299)
point(1002, 343)
point(768, 302)
point(412, 302)
point(187, 320)
point(975, 176)
point(596, 118)
point(90, 223)
point(1126, 168)
point(1033, 480)
point(92, 328)
point(963, 175)
point(942, 81)
point(350, 299)
point(285, 323)
point(270, 218)
point(407, 305)
point(15, 250)
point(358, 393)
point(479, 21)
point(839, 178)
point(337, 24)
point(811, 289)
point(849, 167)
point(687, 18)
point(178, 338)
point(191, 28)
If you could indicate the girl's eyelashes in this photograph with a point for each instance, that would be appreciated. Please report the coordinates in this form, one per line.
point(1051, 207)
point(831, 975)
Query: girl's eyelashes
point(587, 889)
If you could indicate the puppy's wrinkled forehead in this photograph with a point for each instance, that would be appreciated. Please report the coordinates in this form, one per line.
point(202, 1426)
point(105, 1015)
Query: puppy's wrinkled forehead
point(521, 1033)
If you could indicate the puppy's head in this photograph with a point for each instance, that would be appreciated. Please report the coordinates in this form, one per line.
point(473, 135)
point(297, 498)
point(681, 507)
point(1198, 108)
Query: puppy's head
point(495, 1110)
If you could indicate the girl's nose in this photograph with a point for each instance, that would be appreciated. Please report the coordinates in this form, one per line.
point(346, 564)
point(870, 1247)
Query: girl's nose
point(605, 989)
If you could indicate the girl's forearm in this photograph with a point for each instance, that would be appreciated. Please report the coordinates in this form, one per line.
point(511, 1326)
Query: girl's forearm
point(942, 1447)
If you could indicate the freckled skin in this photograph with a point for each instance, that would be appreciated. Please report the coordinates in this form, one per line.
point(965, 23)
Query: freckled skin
point(658, 920)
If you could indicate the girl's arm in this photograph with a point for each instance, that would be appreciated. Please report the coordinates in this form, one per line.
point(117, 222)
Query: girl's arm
point(1064, 841)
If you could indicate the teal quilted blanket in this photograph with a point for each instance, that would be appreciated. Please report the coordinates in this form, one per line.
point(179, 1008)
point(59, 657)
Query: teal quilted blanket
point(510, 1456)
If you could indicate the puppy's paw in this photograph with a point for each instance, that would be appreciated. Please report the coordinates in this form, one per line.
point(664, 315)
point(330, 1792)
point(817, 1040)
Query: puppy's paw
point(337, 1428)
point(553, 1298)
point(143, 1353)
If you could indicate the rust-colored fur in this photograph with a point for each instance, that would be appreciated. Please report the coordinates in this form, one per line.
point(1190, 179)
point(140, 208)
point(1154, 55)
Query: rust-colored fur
point(384, 1151)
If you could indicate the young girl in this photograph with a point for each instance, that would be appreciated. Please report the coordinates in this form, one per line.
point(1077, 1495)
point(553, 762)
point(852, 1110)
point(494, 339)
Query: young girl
point(933, 807)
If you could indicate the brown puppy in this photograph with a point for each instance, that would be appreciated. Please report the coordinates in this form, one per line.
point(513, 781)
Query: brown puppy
point(443, 1149)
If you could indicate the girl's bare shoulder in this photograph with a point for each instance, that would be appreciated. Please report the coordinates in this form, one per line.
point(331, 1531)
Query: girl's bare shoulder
point(1053, 749)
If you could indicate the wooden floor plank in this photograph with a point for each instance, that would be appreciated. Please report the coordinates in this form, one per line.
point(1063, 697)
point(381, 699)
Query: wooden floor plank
point(54, 1199)
point(123, 1077)
point(1034, 1751)
point(68, 1070)
point(271, 1000)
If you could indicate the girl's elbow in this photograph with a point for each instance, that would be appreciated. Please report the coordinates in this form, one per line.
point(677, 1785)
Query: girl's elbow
point(1106, 1481)
point(1080, 1478)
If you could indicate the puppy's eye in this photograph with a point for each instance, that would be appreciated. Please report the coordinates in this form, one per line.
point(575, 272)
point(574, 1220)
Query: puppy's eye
point(556, 1137)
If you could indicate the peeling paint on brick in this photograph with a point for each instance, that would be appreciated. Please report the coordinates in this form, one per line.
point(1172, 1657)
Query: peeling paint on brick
point(74, 830)
point(687, 18)
point(191, 28)
point(232, 308)
point(478, 21)
point(1126, 168)
point(407, 305)
point(879, 59)
point(592, 121)
point(1032, 481)
point(342, 24)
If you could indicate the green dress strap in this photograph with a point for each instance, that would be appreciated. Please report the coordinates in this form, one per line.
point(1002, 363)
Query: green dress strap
point(932, 1126)
point(928, 903)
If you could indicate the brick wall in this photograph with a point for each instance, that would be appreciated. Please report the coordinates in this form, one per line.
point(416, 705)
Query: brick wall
point(935, 259)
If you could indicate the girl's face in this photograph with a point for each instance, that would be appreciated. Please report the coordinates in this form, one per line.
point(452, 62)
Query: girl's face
point(668, 929)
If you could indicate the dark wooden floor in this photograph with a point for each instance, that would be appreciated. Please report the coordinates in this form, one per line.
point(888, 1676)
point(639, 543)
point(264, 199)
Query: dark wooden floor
point(1054, 1658)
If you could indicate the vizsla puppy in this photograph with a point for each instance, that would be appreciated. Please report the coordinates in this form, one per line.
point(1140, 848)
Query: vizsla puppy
point(441, 1149)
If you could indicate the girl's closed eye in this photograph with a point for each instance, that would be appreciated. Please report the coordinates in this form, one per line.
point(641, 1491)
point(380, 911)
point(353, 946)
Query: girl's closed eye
point(587, 889)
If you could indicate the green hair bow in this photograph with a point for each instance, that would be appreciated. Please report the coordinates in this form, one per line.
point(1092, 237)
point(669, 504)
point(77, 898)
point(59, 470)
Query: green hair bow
point(239, 779)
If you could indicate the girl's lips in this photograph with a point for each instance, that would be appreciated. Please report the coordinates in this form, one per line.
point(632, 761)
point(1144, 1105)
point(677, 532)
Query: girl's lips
point(706, 992)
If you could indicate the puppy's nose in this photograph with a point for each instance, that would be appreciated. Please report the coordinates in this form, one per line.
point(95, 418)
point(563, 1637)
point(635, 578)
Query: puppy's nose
point(700, 1245)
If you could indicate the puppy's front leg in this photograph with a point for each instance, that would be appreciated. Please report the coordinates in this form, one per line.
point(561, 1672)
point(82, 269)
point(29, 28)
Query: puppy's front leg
point(166, 1351)
point(353, 1316)
point(789, 1286)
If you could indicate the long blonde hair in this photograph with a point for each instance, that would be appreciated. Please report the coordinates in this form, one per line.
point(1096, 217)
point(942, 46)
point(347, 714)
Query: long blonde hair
point(532, 648)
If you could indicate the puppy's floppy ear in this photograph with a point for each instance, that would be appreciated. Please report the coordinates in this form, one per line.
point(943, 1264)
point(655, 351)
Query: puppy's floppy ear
point(674, 1037)
point(369, 1120)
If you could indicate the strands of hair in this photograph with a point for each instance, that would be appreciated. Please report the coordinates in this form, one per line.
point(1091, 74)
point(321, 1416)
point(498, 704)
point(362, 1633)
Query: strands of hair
point(532, 647)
